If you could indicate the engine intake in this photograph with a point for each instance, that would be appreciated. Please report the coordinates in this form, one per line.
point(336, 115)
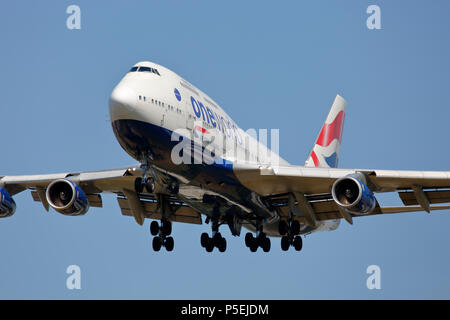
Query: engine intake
point(7, 204)
point(67, 198)
point(353, 195)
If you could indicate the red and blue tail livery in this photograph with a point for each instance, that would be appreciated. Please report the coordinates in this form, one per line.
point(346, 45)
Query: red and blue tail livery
point(325, 152)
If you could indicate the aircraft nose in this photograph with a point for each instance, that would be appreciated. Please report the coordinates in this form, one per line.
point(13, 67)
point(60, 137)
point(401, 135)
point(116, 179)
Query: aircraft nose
point(121, 102)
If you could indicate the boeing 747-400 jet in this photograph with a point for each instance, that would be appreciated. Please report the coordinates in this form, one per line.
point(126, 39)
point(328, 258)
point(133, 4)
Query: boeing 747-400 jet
point(159, 118)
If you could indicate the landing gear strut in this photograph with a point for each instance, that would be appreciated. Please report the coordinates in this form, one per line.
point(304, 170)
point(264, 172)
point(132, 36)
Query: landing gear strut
point(261, 240)
point(290, 235)
point(161, 233)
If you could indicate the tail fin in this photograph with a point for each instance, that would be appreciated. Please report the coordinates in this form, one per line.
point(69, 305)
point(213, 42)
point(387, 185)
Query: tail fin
point(325, 152)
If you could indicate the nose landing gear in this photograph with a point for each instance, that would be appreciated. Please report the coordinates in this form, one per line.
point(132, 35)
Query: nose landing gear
point(147, 183)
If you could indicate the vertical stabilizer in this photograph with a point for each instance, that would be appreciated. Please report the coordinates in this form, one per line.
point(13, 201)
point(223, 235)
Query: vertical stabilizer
point(325, 152)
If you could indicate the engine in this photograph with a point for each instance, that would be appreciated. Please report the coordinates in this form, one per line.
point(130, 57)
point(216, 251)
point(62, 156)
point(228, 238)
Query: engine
point(7, 204)
point(66, 197)
point(352, 194)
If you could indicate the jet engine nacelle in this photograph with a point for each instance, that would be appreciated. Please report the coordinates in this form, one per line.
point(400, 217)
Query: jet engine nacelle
point(353, 195)
point(7, 204)
point(66, 197)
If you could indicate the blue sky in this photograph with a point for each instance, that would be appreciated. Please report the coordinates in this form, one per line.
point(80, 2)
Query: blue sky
point(269, 65)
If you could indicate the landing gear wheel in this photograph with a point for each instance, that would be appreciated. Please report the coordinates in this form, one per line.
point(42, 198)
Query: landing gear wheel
point(138, 185)
point(248, 239)
point(285, 243)
point(154, 228)
point(169, 244)
point(217, 239)
point(283, 227)
point(295, 227)
point(298, 243)
point(156, 244)
point(150, 185)
point(223, 245)
point(265, 244)
point(204, 238)
point(166, 227)
point(209, 245)
point(253, 247)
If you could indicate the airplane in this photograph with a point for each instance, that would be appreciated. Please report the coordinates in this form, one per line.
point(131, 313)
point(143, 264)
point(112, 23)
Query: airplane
point(158, 117)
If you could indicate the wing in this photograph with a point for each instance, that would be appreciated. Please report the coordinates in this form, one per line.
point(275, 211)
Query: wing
point(119, 181)
point(311, 189)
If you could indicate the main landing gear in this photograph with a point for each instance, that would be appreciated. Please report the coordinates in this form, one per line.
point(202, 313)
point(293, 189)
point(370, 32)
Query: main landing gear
point(260, 240)
point(151, 183)
point(161, 233)
point(216, 241)
point(290, 235)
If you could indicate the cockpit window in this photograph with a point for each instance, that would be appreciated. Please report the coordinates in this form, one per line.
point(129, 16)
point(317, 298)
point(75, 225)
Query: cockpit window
point(148, 69)
point(134, 69)
point(145, 69)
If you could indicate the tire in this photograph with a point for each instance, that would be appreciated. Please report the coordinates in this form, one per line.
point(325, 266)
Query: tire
point(266, 245)
point(249, 239)
point(154, 228)
point(253, 248)
point(223, 245)
point(138, 185)
point(217, 239)
point(150, 185)
point(261, 239)
point(298, 243)
point(209, 245)
point(204, 238)
point(156, 243)
point(166, 227)
point(169, 244)
point(283, 227)
point(285, 243)
point(295, 227)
